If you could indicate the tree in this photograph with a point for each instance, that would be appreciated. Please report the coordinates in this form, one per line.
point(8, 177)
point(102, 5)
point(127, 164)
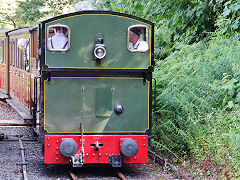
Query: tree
point(29, 12)
point(22, 13)
point(55, 7)
point(8, 17)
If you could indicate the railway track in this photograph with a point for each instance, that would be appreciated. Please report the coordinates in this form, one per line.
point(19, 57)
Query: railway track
point(24, 165)
point(11, 163)
point(30, 166)
point(118, 173)
point(72, 173)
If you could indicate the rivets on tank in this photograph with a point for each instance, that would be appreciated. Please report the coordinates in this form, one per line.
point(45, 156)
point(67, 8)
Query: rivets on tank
point(144, 138)
point(57, 148)
point(48, 138)
point(144, 145)
point(99, 154)
point(93, 154)
point(135, 158)
point(87, 154)
point(106, 154)
point(56, 153)
point(57, 141)
point(48, 145)
point(56, 159)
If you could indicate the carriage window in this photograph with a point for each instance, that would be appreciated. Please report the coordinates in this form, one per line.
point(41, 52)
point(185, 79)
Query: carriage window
point(17, 55)
point(1, 52)
point(10, 45)
point(138, 38)
point(58, 38)
point(23, 46)
point(14, 54)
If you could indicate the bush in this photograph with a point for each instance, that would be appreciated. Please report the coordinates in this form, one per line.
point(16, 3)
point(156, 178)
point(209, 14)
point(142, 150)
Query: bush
point(192, 83)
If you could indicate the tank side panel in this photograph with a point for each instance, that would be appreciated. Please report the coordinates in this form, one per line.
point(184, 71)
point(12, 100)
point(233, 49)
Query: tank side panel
point(91, 101)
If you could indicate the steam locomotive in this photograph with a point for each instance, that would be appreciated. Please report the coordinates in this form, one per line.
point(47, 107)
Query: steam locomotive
point(88, 93)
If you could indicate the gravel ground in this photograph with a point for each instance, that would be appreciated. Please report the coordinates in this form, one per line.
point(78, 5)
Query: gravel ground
point(11, 170)
point(7, 113)
point(10, 159)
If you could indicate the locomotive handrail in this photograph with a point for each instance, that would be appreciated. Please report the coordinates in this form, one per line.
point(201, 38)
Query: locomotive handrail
point(155, 95)
point(35, 99)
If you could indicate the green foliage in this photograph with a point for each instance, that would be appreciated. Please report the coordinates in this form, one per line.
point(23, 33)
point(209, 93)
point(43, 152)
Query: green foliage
point(180, 99)
point(59, 7)
point(228, 21)
point(7, 14)
point(194, 83)
point(28, 12)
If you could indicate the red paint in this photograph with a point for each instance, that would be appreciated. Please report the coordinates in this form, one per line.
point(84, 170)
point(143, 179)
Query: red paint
point(3, 78)
point(20, 86)
point(111, 146)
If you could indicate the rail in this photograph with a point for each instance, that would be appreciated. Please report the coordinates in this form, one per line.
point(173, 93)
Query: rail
point(23, 160)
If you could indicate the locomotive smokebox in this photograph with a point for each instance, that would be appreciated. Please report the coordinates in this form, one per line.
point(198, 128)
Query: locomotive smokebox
point(68, 147)
point(129, 147)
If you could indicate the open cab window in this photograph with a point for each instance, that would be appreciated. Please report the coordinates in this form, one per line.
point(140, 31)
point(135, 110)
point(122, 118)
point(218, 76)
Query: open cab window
point(138, 38)
point(58, 38)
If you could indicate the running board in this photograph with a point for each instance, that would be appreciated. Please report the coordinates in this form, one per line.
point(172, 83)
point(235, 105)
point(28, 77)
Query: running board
point(14, 122)
point(3, 96)
point(20, 109)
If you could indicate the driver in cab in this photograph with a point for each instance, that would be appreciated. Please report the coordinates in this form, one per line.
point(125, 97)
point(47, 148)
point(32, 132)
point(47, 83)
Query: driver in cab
point(136, 42)
point(59, 40)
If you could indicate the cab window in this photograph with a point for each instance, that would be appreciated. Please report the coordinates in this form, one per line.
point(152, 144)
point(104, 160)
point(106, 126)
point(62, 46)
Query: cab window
point(138, 38)
point(58, 38)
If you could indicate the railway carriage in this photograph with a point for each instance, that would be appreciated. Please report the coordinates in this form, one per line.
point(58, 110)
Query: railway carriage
point(22, 66)
point(19, 68)
point(3, 62)
point(92, 98)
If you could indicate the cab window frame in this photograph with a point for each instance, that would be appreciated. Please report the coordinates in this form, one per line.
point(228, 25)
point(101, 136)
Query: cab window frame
point(147, 35)
point(47, 37)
